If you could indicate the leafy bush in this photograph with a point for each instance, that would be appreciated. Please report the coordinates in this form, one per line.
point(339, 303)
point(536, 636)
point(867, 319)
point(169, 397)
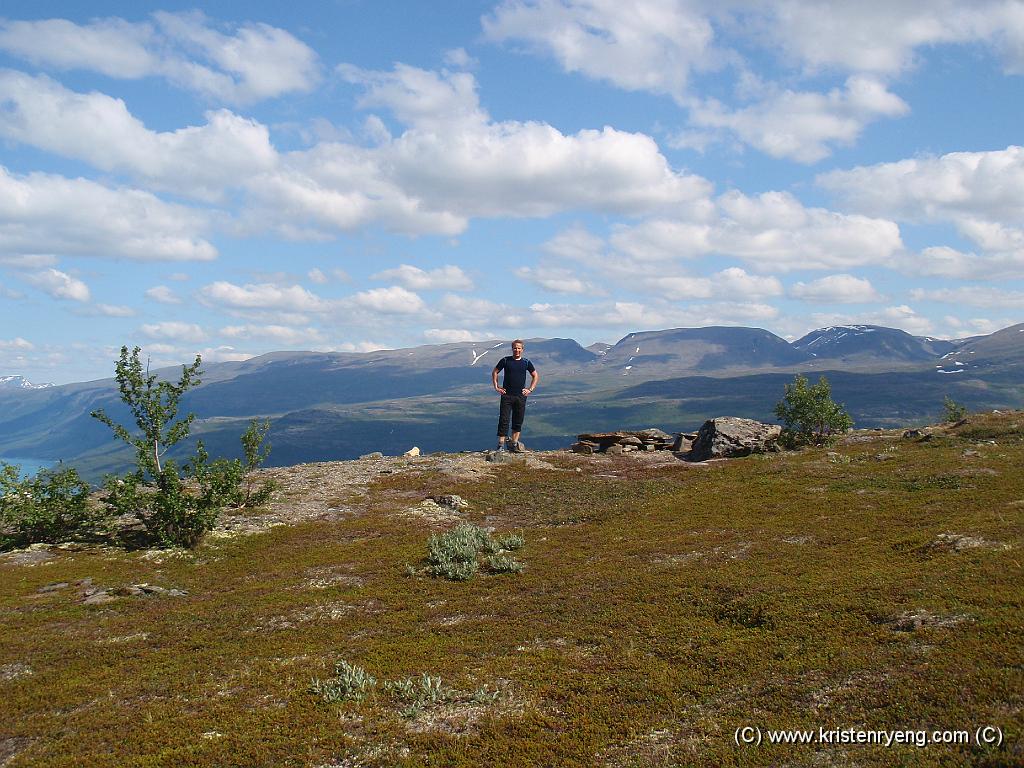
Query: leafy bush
point(453, 554)
point(176, 513)
point(52, 506)
point(350, 683)
point(178, 517)
point(952, 410)
point(809, 414)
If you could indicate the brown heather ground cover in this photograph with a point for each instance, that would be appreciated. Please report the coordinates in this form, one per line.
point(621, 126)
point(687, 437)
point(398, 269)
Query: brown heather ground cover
point(663, 605)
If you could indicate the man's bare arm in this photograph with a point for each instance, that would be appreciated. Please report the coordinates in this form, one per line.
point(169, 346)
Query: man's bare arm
point(494, 381)
point(534, 379)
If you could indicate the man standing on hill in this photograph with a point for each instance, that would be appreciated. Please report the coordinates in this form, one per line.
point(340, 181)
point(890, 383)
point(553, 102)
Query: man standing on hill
point(513, 394)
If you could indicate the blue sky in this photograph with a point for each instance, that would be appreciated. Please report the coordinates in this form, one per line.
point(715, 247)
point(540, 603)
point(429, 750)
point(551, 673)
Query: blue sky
point(357, 175)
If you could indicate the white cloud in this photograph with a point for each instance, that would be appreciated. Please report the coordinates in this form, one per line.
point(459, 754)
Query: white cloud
point(197, 161)
point(277, 334)
point(458, 58)
point(448, 277)
point(883, 36)
point(46, 214)
point(648, 46)
point(978, 192)
point(114, 310)
point(649, 315)
point(836, 289)
point(262, 297)
point(393, 300)
point(16, 343)
point(558, 280)
point(174, 331)
point(972, 296)
point(162, 295)
point(960, 186)
point(801, 125)
point(59, 285)
point(33, 261)
point(317, 276)
point(774, 231)
point(249, 63)
point(452, 335)
point(736, 283)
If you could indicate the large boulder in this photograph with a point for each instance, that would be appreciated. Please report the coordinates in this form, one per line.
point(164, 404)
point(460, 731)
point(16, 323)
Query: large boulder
point(729, 436)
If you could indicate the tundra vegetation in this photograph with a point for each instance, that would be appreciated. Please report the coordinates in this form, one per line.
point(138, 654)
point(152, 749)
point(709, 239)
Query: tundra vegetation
point(664, 606)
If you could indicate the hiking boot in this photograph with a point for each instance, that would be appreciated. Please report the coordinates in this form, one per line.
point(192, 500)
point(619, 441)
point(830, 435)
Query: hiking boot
point(515, 447)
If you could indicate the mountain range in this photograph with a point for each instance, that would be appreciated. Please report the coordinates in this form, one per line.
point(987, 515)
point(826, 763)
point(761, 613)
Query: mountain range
point(327, 406)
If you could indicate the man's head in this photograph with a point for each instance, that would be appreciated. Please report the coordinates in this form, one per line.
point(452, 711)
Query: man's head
point(517, 348)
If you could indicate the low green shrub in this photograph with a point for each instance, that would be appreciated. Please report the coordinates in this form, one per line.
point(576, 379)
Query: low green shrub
point(350, 683)
point(454, 554)
point(504, 564)
point(52, 506)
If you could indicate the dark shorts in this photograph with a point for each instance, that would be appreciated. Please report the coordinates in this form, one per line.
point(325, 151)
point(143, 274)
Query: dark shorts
point(513, 407)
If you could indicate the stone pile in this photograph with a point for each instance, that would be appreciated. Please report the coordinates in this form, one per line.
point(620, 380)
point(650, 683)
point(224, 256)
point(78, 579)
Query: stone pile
point(625, 441)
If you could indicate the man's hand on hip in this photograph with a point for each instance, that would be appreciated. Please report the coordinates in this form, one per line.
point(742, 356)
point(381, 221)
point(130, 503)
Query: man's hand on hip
point(499, 390)
point(525, 391)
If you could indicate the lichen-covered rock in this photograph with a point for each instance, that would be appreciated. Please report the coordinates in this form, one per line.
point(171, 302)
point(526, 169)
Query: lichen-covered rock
point(729, 436)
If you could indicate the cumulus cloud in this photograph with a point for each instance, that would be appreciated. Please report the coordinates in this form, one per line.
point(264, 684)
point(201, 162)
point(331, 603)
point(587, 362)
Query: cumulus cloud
point(162, 295)
point(448, 277)
point(970, 295)
point(16, 343)
point(801, 125)
point(772, 232)
point(649, 46)
point(836, 289)
point(28, 261)
point(246, 63)
point(114, 310)
point(44, 214)
point(959, 186)
point(262, 297)
point(978, 192)
point(174, 331)
point(197, 161)
point(558, 280)
point(317, 276)
point(649, 315)
point(276, 334)
point(59, 285)
point(393, 300)
point(882, 36)
point(451, 335)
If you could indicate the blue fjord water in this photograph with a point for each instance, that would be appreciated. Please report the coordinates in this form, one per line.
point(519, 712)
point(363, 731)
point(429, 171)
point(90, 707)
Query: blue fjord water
point(28, 466)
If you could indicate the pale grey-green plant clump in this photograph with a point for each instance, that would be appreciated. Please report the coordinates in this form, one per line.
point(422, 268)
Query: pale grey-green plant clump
point(350, 683)
point(454, 554)
point(952, 410)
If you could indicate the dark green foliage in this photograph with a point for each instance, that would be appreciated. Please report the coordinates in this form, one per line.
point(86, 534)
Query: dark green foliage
point(809, 414)
point(952, 410)
point(154, 404)
point(178, 517)
point(52, 506)
point(256, 452)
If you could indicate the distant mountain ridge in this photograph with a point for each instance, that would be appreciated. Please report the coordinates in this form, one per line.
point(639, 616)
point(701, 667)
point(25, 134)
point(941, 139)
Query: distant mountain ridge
point(340, 405)
point(20, 382)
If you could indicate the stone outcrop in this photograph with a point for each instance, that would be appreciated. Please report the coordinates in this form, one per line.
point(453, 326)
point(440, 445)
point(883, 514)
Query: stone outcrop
point(729, 436)
point(625, 441)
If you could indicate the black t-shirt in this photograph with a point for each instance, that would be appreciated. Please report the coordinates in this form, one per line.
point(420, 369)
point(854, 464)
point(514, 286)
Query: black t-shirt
point(515, 374)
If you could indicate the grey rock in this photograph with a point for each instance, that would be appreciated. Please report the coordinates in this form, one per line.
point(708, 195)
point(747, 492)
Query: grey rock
point(729, 436)
point(450, 500)
point(584, 448)
point(53, 587)
point(615, 449)
point(374, 455)
point(501, 457)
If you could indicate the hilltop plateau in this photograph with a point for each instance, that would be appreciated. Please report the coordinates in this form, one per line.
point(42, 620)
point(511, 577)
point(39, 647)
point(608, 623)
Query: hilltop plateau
point(661, 606)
